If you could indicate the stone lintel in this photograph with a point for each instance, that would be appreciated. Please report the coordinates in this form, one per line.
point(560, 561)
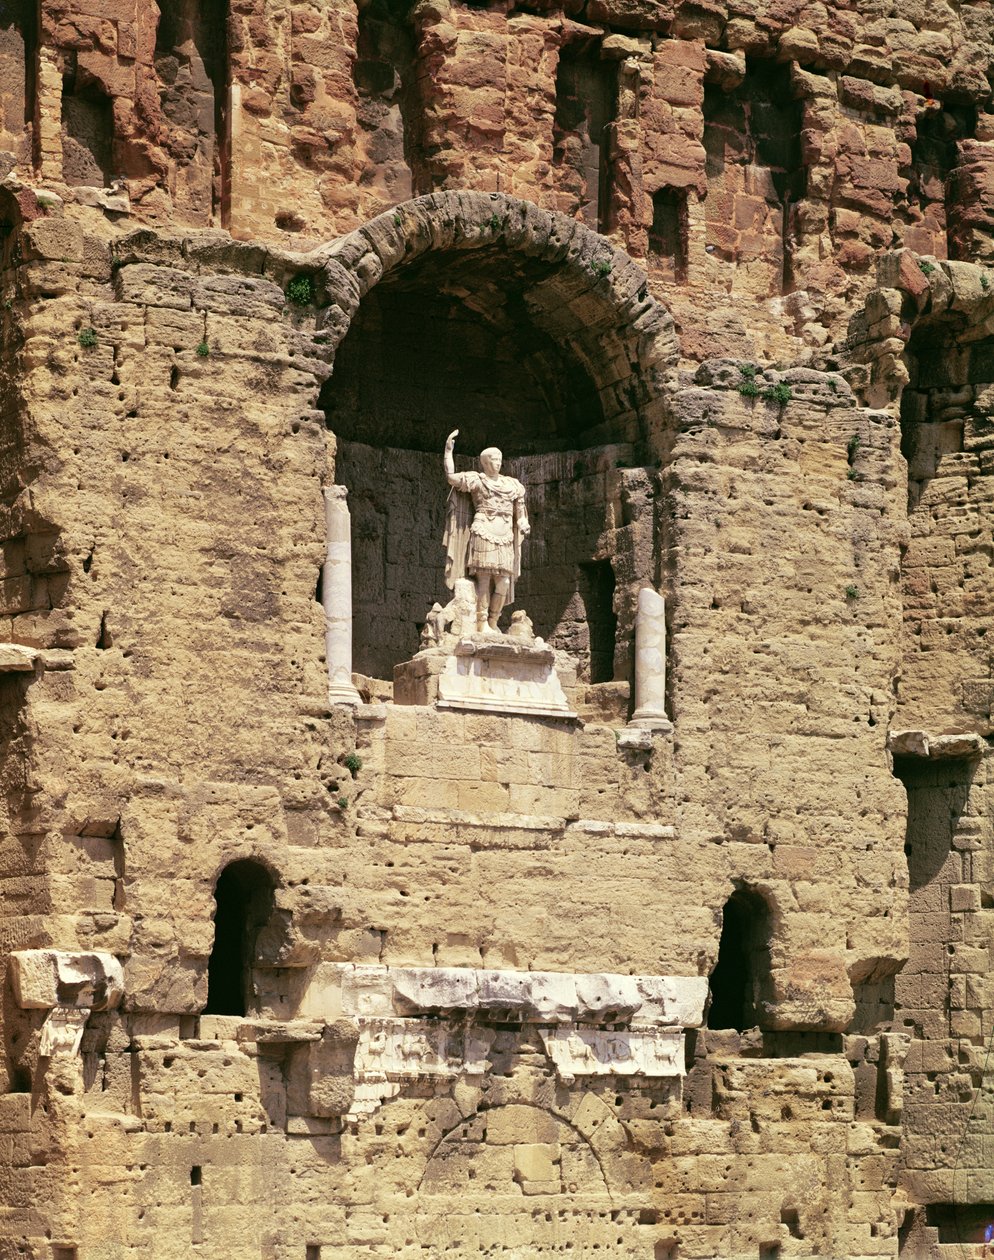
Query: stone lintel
point(923, 744)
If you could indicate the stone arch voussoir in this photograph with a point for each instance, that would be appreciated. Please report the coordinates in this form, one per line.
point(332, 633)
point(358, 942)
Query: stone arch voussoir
point(595, 298)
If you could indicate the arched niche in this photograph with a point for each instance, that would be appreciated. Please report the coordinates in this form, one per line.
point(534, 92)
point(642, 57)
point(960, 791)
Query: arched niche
point(740, 982)
point(524, 330)
point(243, 898)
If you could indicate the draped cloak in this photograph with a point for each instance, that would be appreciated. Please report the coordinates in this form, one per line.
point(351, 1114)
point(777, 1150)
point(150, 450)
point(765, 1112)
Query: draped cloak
point(474, 492)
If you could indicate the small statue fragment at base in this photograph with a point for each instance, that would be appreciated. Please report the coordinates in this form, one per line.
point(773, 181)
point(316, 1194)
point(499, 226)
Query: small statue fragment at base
point(484, 525)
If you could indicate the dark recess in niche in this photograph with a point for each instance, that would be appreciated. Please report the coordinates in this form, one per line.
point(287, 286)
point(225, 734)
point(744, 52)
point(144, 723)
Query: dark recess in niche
point(87, 128)
point(596, 587)
point(668, 234)
point(586, 104)
point(934, 156)
point(742, 970)
point(752, 140)
point(452, 343)
point(18, 73)
point(244, 897)
point(963, 1223)
point(191, 61)
point(390, 109)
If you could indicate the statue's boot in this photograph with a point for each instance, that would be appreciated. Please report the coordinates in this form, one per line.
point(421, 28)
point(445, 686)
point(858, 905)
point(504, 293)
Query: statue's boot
point(496, 607)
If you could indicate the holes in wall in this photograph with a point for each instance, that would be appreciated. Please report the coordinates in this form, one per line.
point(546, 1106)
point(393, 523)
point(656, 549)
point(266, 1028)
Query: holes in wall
point(742, 973)
point(196, 1175)
point(668, 235)
point(87, 128)
point(244, 901)
point(313, 1251)
point(586, 103)
point(64, 1251)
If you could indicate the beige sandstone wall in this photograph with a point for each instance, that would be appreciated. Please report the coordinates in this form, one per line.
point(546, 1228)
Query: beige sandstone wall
point(644, 219)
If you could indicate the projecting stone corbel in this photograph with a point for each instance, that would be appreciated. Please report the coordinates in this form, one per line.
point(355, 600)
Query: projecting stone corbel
point(69, 986)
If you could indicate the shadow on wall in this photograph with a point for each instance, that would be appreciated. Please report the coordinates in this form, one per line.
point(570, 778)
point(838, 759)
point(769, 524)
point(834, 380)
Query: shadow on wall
point(244, 899)
point(740, 982)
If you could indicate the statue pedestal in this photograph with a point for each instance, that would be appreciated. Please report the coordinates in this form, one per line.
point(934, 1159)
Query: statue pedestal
point(487, 674)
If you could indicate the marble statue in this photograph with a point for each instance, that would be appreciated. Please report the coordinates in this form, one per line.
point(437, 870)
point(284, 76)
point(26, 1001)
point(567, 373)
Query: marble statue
point(484, 525)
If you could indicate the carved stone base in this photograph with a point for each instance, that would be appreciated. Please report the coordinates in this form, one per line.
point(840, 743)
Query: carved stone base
point(485, 673)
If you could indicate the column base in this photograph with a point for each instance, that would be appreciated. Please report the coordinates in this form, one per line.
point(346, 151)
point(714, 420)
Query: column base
point(344, 693)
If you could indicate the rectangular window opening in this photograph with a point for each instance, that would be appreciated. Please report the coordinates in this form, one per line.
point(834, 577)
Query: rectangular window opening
point(668, 234)
point(596, 589)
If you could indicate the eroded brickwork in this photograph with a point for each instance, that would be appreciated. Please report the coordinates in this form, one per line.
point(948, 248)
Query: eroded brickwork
point(404, 980)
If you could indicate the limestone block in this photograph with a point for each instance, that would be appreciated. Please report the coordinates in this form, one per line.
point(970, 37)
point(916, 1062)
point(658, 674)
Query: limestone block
point(578, 1051)
point(53, 977)
point(480, 672)
point(62, 1032)
point(537, 1162)
point(320, 1074)
point(15, 658)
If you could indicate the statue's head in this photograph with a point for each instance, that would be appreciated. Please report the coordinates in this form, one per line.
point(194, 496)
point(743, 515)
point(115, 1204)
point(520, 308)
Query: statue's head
point(490, 461)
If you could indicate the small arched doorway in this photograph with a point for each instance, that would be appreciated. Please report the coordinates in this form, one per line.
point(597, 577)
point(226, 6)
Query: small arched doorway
point(740, 980)
point(244, 897)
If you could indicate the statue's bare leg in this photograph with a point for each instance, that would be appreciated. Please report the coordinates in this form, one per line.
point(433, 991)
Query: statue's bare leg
point(502, 584)
point(483, 578)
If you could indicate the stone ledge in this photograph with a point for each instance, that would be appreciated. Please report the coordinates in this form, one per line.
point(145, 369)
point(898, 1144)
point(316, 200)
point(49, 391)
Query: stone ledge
point(529, 822)
point(916, 743)
point(545, 997)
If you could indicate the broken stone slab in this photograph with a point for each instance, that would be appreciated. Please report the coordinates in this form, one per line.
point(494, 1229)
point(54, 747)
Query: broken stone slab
point(543, 997)
point(46, 978)
point(15, 658)
point(915, 743)
point(576, 1051)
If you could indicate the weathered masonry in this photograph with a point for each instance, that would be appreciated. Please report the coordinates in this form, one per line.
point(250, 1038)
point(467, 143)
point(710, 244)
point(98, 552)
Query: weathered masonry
point(656, 924)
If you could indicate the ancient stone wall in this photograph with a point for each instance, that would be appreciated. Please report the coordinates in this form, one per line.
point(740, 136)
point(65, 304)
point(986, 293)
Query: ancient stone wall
point(295, 977)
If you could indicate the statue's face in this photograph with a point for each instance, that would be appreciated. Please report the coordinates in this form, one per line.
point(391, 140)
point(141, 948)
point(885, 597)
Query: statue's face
point(491, 461)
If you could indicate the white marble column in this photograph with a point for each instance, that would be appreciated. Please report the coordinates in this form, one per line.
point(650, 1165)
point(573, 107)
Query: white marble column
point(336, 586)
point(650, 661)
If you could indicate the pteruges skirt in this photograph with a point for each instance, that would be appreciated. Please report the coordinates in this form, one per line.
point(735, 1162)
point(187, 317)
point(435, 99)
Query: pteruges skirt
point(485, 554)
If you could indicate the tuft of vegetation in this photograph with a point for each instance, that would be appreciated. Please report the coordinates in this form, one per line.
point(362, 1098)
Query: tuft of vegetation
point(493, 223)
point(342, 802)
point(601, 267)
point(749, 389)
point(833, 384)
point(926, 267)
point(300, 291)
point(87, 337)
point(748, 370)
point(203, 350)
point(852, 447)
point(853, 475)
point(985, 284)
point(852, 592)
point(353, 763)
point(46, 203)
point(780, 393)
point(398, 221)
